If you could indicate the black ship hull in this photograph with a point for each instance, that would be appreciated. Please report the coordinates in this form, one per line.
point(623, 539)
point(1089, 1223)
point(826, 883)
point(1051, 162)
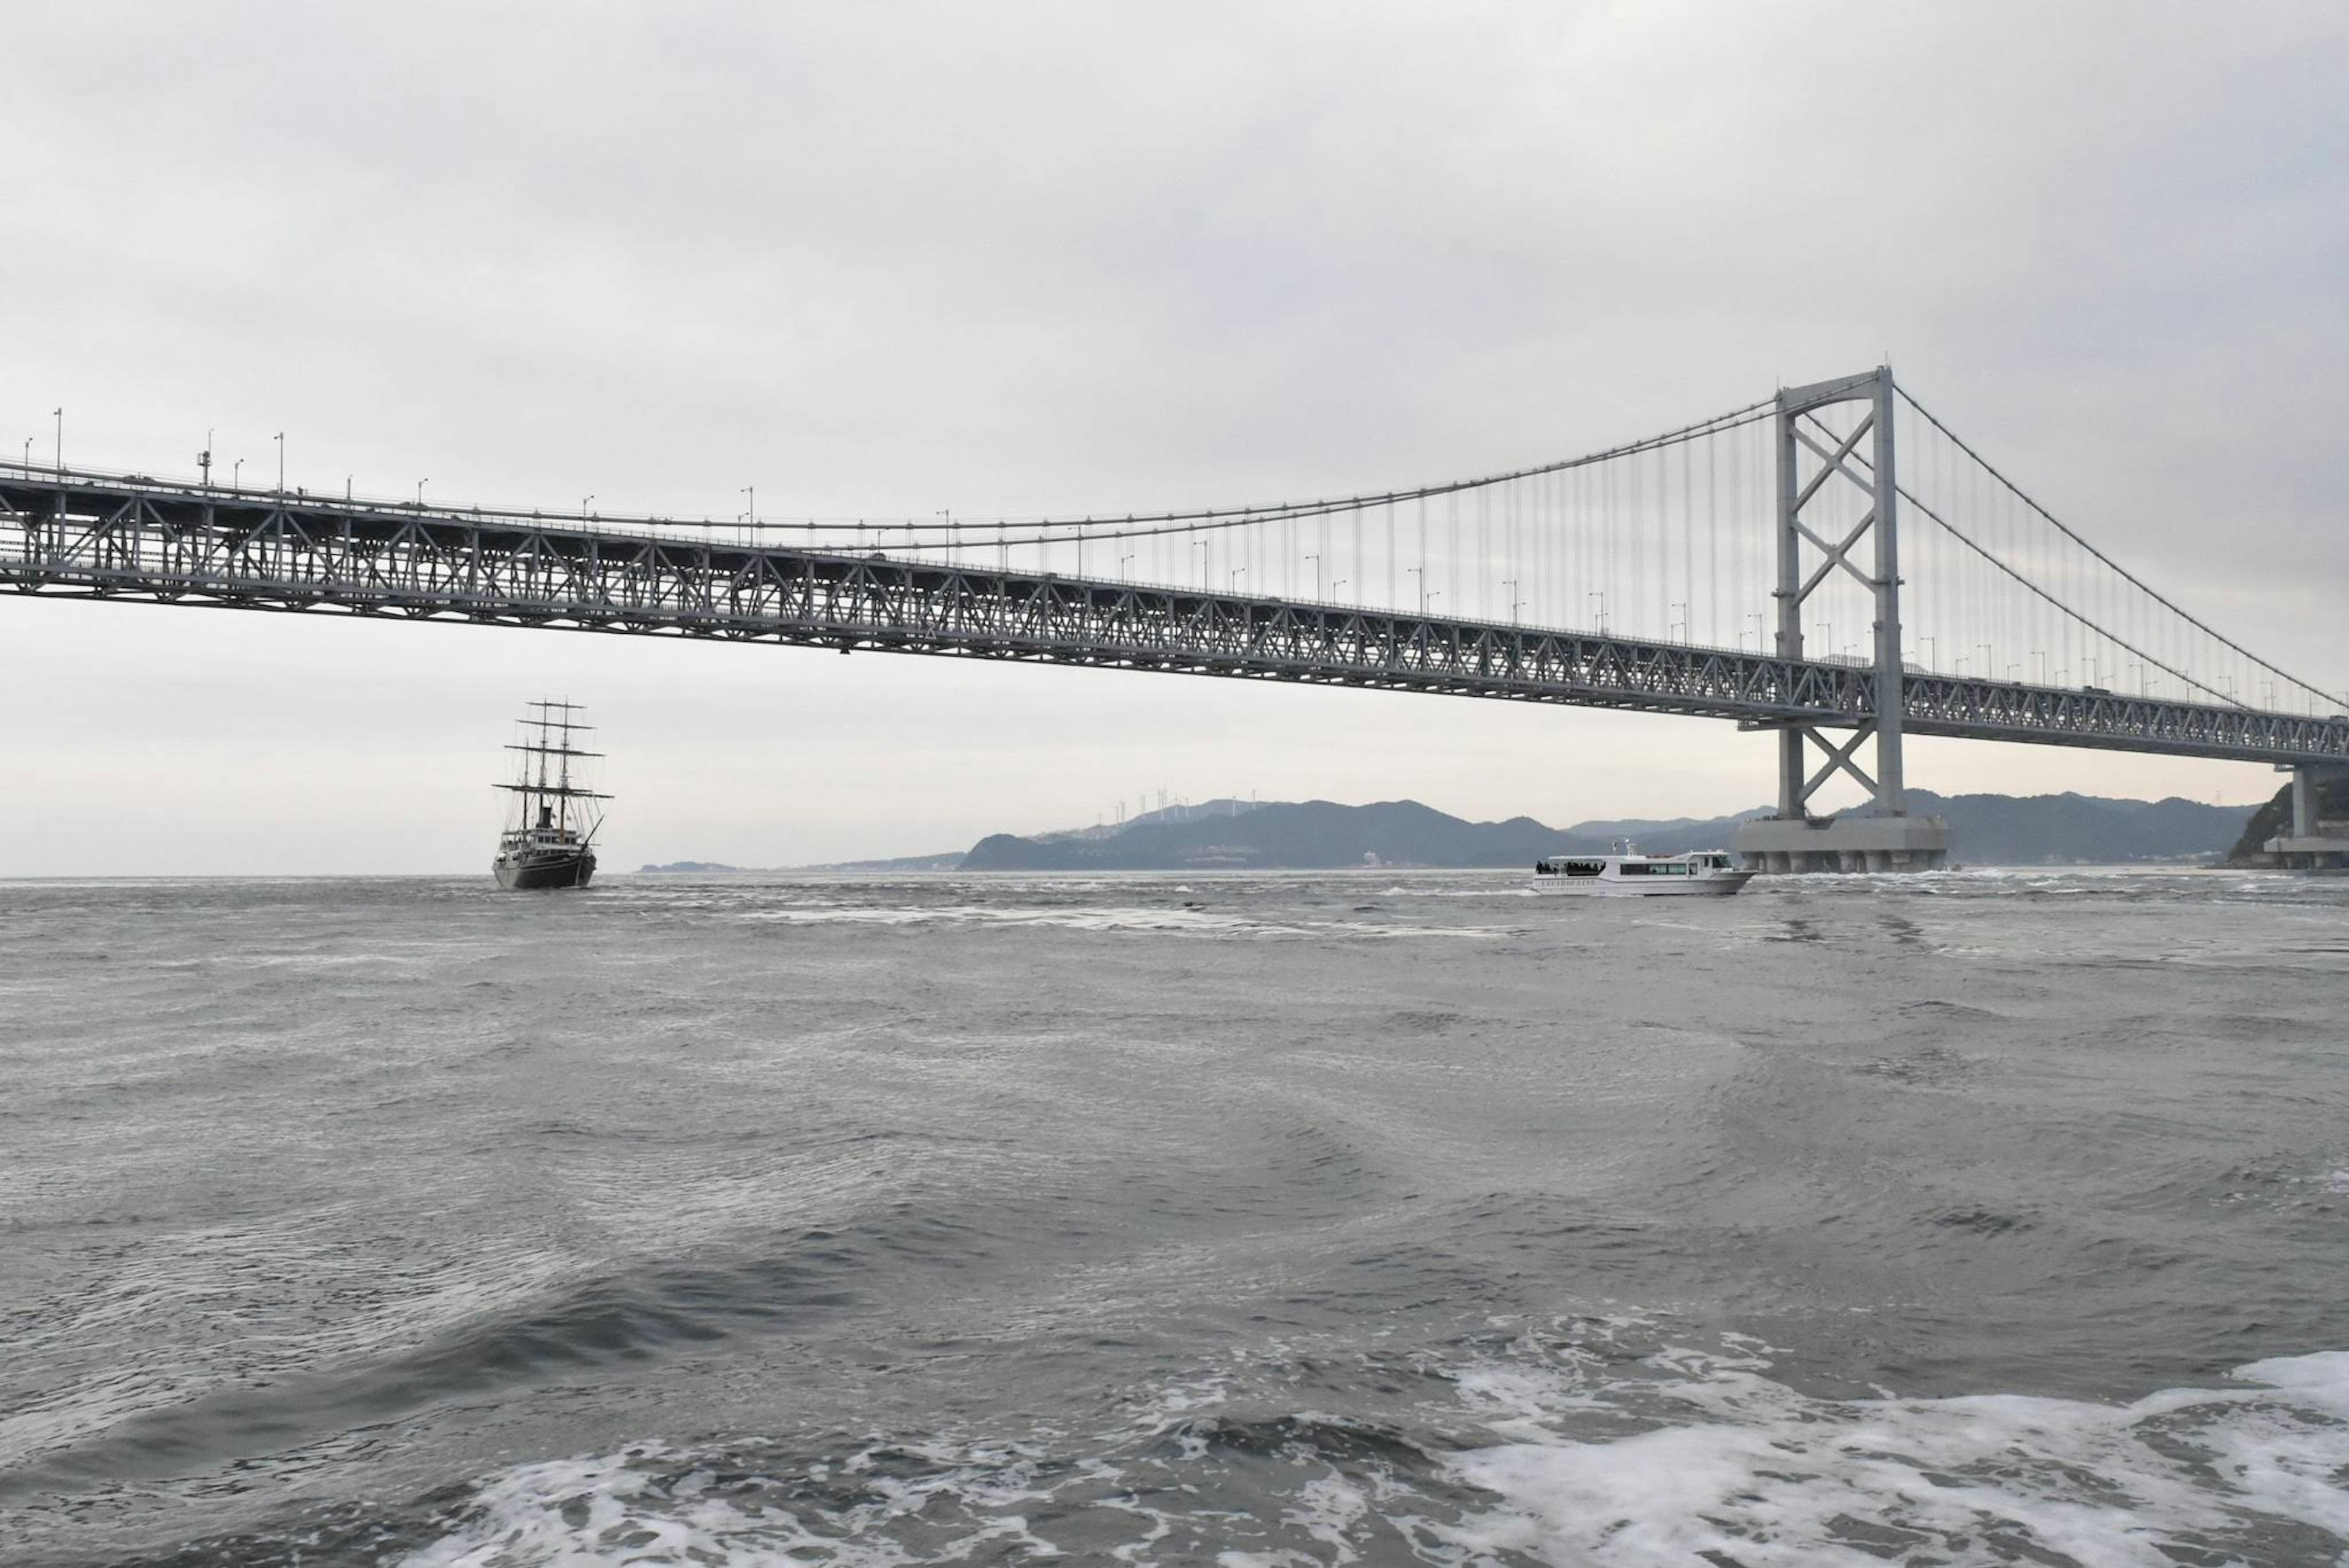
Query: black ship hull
point(536, 871)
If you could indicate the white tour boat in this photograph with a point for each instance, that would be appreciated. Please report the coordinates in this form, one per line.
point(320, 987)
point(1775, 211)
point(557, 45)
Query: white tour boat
point(1698, 873)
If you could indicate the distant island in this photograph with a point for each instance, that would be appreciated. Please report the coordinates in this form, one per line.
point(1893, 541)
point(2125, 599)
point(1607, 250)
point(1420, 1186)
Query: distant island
point(1984, 830)
point(950, 861)
point(1319, 834)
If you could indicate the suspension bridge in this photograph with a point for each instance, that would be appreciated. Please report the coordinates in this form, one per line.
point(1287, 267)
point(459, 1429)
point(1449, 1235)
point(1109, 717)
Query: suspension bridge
point(1832, 563)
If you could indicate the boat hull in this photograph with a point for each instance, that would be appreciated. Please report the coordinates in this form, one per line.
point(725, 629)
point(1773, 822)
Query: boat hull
point(543, 871)
point(1720, 885)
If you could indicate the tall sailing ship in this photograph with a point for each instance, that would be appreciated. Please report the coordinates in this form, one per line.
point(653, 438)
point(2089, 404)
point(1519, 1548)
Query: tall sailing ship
point(551, 841)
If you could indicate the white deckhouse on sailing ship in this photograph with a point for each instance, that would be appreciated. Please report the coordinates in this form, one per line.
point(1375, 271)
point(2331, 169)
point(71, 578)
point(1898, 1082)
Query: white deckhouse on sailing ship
point(552, 842)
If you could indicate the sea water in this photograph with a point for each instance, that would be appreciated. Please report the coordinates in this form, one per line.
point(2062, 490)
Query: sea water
point(1257, 1220)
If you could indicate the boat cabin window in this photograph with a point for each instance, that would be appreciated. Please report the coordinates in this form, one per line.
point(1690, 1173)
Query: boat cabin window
point(1568, 868)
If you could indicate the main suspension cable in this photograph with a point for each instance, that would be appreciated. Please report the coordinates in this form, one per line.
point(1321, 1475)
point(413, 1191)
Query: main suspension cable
point(2127, 576)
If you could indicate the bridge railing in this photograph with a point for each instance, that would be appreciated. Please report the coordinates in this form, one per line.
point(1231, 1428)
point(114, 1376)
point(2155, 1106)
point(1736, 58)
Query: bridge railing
point(160, 540)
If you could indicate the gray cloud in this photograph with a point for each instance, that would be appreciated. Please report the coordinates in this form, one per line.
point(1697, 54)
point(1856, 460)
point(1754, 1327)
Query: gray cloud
point(884, 260)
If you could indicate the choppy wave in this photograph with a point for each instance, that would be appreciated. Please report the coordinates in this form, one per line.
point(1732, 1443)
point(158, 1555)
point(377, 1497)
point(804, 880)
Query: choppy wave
point(1549, 1453)
point(1737, 1468)
point(1144, 1221)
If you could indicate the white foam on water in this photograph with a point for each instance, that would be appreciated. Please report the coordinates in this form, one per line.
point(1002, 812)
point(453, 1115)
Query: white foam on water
point(1494, 889)
point(1156, 921)
point(616, 1510)
point(1692, 1458)
point(1731, 1463)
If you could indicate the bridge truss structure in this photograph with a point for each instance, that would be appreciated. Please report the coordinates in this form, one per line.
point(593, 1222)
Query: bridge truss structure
point(89, 535)
point(112, 538)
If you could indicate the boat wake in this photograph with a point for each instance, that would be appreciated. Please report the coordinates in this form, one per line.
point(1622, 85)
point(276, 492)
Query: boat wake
point(1550, 1452)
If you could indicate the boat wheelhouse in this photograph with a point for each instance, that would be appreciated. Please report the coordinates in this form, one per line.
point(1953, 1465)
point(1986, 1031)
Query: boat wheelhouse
point(1698, 873)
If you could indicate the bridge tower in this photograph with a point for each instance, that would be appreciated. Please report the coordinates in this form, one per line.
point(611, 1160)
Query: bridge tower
point(1881, 836)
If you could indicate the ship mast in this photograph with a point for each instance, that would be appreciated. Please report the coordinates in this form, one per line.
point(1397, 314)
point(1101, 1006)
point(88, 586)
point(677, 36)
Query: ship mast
point(564, 807)
point(547, 800)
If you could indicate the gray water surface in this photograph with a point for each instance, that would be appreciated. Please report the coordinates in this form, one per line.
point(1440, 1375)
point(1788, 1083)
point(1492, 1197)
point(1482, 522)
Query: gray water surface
point(1254, 1219)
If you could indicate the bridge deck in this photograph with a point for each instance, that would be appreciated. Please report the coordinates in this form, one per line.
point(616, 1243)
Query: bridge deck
point(114, 537)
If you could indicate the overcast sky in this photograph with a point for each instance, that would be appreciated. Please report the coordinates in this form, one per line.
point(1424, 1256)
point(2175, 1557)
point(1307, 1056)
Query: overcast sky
point(889, 259)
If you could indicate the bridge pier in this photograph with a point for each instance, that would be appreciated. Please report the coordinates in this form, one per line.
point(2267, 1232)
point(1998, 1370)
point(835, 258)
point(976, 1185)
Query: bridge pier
point(1846, 843)
point(1881, 836)
point(2312, 842)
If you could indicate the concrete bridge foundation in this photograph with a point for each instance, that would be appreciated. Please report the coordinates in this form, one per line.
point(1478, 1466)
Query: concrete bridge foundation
point(2312, 843)
point(1786, 846)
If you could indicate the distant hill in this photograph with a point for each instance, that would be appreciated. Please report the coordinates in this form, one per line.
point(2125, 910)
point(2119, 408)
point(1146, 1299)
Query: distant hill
point(1314, 834)
point(949, 861)
point(1182, 810)
point(2080, 829)
point(1319, 834)
point(1984, 829)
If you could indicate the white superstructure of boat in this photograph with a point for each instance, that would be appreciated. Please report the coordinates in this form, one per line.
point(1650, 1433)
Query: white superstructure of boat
point(1700, 873)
